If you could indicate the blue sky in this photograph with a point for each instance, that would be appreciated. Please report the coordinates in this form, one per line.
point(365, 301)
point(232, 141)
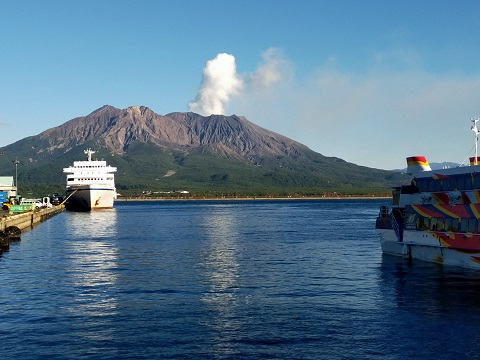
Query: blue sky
point(370, 81)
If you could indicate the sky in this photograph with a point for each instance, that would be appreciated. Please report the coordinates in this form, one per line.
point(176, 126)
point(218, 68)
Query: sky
point(371, 82)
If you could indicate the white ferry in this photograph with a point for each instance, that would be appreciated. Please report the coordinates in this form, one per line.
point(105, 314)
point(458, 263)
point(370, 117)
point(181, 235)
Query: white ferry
point(90, 184)
point(437, 217)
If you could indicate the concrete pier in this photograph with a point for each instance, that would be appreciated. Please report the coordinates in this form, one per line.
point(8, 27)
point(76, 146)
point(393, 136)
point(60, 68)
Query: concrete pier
point(28, 219)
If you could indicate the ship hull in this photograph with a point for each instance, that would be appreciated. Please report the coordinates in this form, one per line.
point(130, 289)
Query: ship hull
point(90, 197)
point(420, 245)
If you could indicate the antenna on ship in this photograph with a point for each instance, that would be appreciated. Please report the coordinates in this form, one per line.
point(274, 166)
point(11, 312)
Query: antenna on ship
point(475, 130)
point(89, 153)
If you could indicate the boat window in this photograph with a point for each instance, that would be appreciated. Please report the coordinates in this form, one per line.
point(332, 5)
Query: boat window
point(453, 183)
point(431, 184)
point(448, 224)
point(478, 225)
point(437, 185)
point(421, 225)
point(476, 181)
point(426, 223)
point(468, 182)
point(471, 225)
point(433, 224)
point(461, 183)
point(440, 224)
point(463, 225)
point(422, 185)
point(454, 225)
point(395, 198)
point(445, 185)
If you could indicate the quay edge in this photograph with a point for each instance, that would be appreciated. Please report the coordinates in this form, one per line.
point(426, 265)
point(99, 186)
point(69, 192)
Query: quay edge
point(29, 219)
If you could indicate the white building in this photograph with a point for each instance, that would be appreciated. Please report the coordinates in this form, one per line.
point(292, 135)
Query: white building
point(7, 185)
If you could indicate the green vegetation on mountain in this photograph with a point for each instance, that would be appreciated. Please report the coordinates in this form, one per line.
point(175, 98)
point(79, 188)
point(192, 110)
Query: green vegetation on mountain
point(186, 152)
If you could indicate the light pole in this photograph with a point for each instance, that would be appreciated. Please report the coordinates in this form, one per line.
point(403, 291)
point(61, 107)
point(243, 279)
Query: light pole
point(16, 162)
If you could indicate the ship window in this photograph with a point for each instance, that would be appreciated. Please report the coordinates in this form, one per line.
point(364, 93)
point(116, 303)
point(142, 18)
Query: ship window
point(468, 182)
point(478, 225)
point(440, 224)
point(445, 185)
point(476, 181)
point(422, 185)
point(461, 183)
point(453, 183)
point(463, 225)
point(425, 185)
point(433, 224)
point(471, 225)
point(448, 224)
point(426, 223)
point(437, 185)
point(454, 225)
point(421, 223)
point(431, 184)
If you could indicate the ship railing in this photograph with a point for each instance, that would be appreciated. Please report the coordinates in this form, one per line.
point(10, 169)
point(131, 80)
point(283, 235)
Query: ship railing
point(383, 211)
point(396, 227)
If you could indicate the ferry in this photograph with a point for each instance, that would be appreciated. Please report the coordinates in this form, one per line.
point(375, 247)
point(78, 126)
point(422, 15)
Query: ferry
point(90, 184)
point(436, 217)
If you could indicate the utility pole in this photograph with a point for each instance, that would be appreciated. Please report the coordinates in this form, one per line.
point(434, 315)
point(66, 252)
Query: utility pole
point(16, 162)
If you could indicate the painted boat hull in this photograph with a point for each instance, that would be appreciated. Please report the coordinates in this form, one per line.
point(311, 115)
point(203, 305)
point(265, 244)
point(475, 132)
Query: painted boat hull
point(88, 198)
point(427, 248)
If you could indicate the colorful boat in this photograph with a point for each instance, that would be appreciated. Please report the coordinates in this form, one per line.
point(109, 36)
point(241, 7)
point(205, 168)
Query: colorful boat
point(90, 184)
point(437, 216)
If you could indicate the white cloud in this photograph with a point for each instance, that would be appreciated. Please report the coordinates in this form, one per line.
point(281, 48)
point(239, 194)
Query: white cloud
point(378, 119)
point(4, 123)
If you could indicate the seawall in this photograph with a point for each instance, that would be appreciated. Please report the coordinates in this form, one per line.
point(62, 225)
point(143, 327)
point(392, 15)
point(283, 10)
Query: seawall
point(28, 219)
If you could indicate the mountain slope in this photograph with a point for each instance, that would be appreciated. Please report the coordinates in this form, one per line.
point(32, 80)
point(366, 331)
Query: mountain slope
point(187, 151)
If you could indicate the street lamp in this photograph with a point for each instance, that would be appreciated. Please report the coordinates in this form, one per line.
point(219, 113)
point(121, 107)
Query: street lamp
point(16, 162)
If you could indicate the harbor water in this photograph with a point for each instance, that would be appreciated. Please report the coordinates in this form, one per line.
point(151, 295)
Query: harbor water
point(286, 279)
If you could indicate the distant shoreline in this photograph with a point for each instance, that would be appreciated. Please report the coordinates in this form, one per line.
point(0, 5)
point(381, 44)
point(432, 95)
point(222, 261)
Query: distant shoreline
point(191, 198)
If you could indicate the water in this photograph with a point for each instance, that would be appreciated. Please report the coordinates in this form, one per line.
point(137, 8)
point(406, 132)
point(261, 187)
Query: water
point(229, 280)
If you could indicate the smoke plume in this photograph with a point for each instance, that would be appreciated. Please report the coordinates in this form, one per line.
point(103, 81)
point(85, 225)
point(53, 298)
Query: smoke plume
point(268, 72)
point(220, 82)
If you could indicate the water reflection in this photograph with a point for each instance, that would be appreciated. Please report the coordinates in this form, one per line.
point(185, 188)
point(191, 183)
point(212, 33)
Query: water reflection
point(221, 271)
point(93, 256)
point(430, 288)
point(93, 224)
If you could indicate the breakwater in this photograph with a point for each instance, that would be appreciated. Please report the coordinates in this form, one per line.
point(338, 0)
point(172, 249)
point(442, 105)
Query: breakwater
point(28, 219)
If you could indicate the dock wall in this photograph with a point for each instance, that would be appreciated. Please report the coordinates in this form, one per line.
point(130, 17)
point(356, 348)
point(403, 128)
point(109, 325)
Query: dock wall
point(28, 219)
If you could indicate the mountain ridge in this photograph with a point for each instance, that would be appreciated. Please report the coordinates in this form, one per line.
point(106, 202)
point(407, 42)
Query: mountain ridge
point(203, 153)
point(120, 128)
